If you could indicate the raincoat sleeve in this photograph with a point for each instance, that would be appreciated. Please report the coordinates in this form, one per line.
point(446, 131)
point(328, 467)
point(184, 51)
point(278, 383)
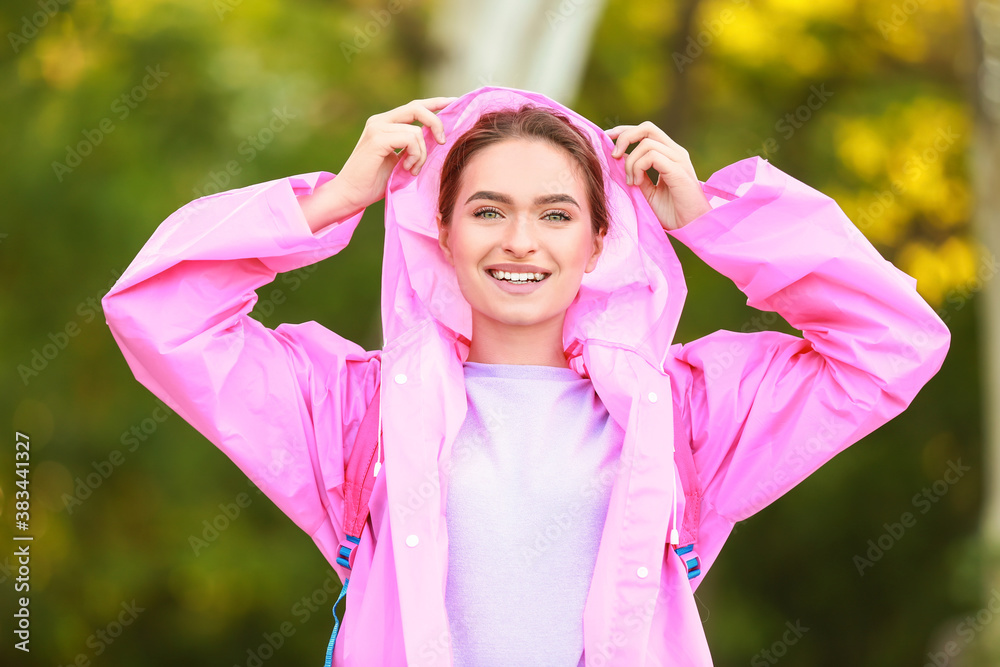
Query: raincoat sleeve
point(766, 409)
point(279, 403)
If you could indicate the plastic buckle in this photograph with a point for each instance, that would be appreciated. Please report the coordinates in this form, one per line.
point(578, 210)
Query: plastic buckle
point(344, 552)
point(692, 564)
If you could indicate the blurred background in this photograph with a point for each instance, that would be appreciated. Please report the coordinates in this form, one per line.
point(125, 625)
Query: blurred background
point(151, 548)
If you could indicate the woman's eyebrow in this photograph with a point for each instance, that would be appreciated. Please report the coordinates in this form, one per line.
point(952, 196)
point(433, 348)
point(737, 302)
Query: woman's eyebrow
point(506, 199)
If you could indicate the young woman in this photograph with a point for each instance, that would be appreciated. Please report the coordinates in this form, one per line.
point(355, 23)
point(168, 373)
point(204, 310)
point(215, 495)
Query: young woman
point(534, 507)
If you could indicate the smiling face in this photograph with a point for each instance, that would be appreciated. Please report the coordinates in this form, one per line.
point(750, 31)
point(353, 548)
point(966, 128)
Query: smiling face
point(522, 207)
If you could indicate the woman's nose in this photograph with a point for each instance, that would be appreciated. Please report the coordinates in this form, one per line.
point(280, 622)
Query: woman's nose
point(519, 237)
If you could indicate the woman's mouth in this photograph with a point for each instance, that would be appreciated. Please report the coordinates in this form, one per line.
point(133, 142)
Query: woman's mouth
point(518, 278)
point(517, 283)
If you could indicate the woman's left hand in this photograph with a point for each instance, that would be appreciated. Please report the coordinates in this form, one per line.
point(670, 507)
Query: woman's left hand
point(677, 197)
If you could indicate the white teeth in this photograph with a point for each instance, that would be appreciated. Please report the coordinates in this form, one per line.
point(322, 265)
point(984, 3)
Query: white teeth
point(516, 277)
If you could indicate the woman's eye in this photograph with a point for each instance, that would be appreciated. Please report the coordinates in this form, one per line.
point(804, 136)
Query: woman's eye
point(481, 213)
point(562, 215)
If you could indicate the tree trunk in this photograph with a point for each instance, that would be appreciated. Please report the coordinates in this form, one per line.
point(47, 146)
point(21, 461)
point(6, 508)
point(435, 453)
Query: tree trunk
point(537, 45)
point(986, 174)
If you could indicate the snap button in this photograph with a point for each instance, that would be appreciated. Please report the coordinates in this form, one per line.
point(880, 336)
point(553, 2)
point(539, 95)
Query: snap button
point(401, 378)
point(412, 540)
point(652, 397)
point(642, 572)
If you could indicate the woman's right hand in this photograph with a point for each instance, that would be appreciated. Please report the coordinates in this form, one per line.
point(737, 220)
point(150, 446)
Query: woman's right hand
point(363, 178)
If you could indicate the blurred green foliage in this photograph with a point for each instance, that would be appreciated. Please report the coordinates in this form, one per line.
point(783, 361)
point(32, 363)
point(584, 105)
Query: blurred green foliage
point(117, 113)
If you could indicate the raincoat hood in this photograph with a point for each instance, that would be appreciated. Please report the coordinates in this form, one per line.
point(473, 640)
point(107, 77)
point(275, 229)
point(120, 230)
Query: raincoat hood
point(633, 298)
point(617, 332)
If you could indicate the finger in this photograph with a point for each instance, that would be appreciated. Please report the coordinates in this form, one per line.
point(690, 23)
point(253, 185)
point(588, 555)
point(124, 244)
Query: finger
point(423, 151)
point(436, 103)
point(652, 155)
point(678, 156)
point(621, 136)
point(630, 134)
point(405, 141)
point(415, 147)
point(650, 129)
point(423, 111)
point(633, 174)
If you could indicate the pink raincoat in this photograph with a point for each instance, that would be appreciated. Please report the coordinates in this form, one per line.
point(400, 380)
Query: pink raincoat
point(761, 410)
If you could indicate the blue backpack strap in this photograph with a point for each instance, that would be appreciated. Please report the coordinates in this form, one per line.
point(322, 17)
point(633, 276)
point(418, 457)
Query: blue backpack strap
point(360, 470)
point(336, 624)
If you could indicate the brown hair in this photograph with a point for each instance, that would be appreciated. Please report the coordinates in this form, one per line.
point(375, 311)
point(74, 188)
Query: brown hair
point(528, 122)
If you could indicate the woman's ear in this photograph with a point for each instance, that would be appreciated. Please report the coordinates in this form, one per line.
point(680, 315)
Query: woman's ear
point(443, 239)
point(598, 248)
